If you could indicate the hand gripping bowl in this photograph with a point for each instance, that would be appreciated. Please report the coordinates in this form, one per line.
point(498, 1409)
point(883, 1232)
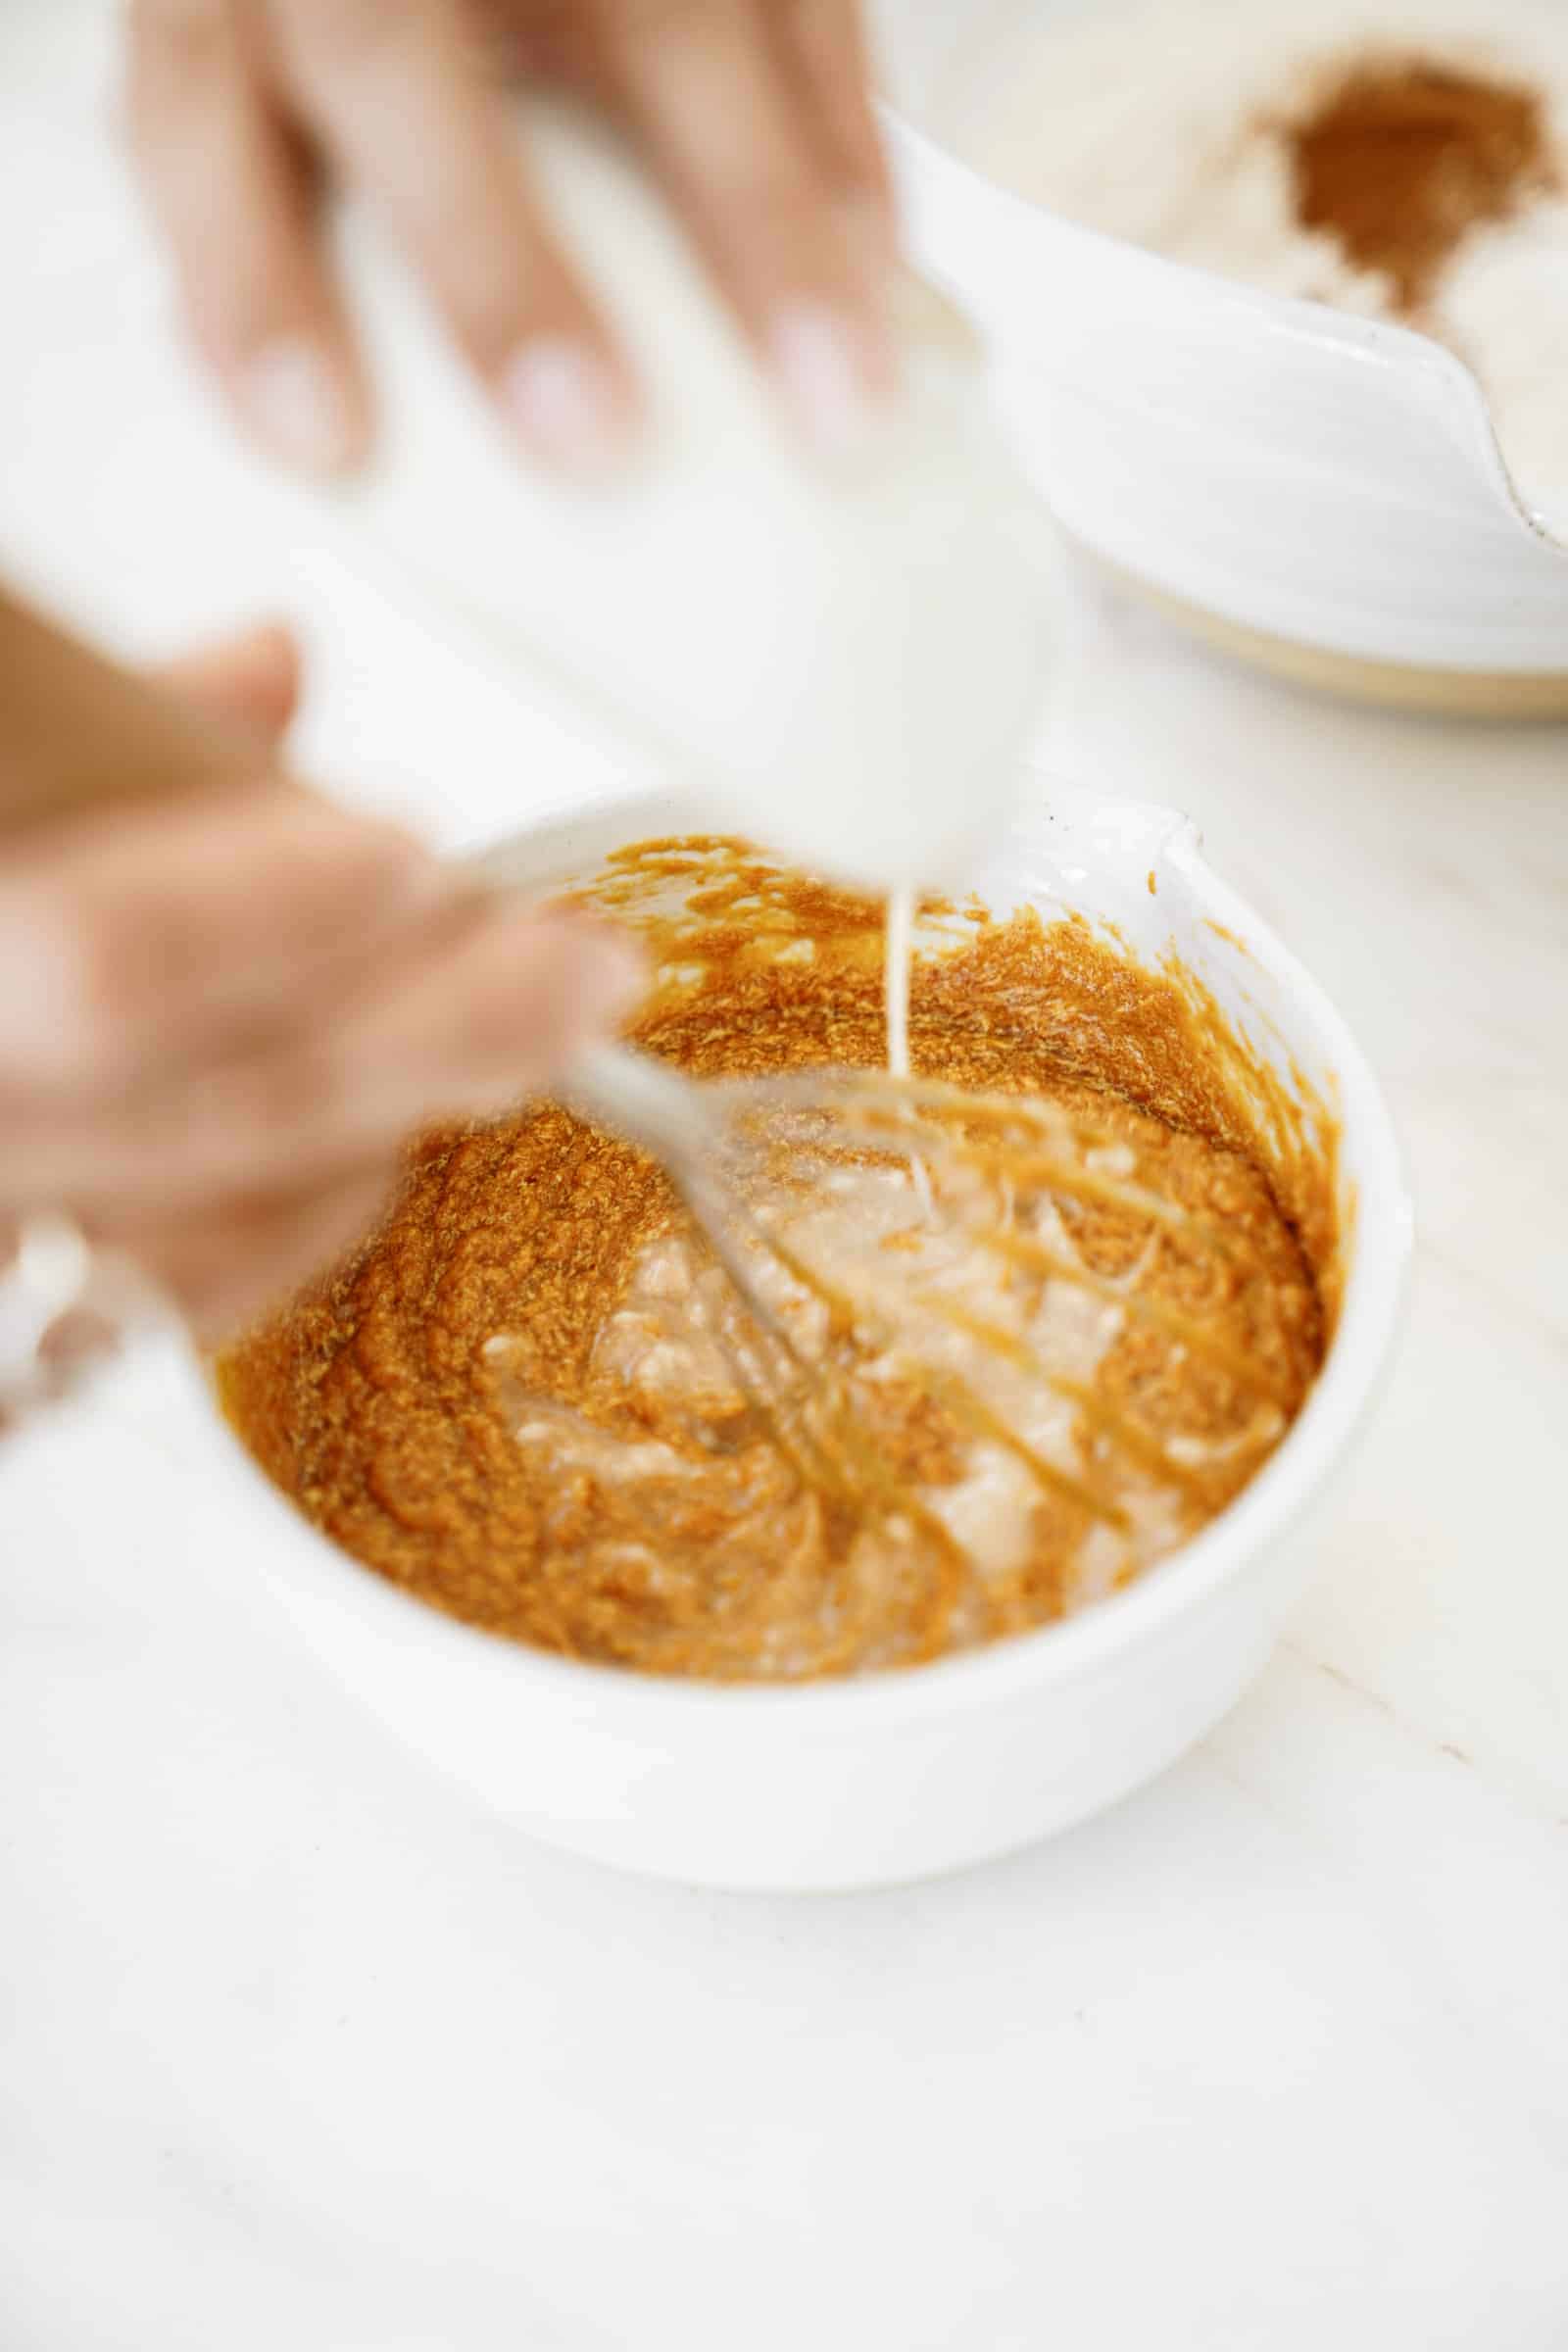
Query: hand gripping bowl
point(897, 1776)
point(1321, 493)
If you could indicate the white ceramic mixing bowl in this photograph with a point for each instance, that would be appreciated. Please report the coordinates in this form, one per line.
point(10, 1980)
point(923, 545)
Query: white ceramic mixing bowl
point(1321, 491)
point(890, 1777)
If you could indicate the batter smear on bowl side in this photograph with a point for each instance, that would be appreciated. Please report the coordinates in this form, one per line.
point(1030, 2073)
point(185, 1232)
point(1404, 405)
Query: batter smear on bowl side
point(514, 1401)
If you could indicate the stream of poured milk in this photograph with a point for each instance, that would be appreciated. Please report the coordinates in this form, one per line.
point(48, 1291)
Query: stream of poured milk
point(898, 956)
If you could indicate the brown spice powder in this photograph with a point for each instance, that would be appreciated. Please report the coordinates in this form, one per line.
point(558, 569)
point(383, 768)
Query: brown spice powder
point(1398, 158)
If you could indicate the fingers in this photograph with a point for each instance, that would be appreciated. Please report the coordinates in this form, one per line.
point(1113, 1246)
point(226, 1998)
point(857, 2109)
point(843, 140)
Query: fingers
point(823, 43)
point(252, 679)
point(397, 94)
point(159, 933)
point(223, 1266)
point(500, 1011)
point(231, 189)
point(759, 183)
point(485, 1007)
point(497, 1002)
point(755, 111)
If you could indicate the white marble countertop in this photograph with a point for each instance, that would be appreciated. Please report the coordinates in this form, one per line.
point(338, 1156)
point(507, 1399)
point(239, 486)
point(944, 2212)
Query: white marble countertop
point(298, 2048)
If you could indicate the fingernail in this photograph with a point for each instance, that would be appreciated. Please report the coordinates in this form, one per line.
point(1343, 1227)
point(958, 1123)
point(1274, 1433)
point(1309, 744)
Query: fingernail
point(294, 400)
point(566, 405)
point(605, 977)
point(816, 357)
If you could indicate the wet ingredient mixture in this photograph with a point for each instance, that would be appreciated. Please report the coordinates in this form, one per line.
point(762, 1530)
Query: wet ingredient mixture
point(514, 1400)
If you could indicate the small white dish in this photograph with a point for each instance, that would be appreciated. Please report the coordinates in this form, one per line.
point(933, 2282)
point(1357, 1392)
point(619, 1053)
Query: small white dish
point(897, 1775)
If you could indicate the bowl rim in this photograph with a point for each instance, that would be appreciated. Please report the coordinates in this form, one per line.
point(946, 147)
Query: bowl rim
point(1413, 357)
point(1095, 1640)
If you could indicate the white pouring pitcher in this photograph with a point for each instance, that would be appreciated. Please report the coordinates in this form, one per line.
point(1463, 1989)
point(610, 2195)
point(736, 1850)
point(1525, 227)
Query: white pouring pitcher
point(843, 662)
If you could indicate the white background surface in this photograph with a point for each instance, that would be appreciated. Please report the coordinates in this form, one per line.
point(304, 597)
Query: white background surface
point(297, 2049)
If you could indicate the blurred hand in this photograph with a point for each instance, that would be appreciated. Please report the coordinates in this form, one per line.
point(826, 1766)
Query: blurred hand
point(755, 114)
point(220, 1014)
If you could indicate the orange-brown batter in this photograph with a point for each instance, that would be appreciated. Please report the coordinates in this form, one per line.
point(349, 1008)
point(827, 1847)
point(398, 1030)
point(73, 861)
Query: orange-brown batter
point(479, 1403)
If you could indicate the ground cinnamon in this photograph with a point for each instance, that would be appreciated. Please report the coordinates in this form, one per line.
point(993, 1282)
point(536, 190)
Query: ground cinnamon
point(1399, 158)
